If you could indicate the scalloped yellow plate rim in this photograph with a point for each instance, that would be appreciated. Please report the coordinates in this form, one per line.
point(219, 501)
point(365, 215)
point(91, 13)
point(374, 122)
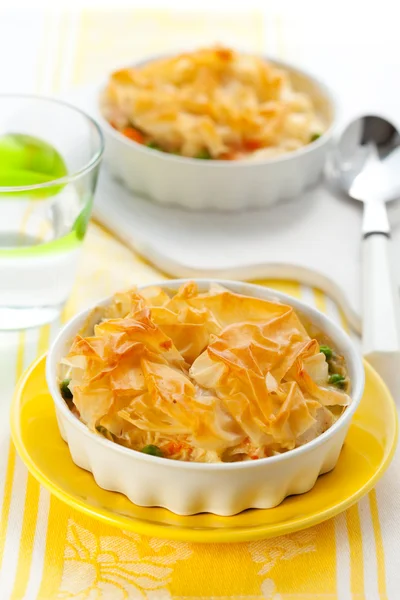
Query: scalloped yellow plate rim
point(368, 450)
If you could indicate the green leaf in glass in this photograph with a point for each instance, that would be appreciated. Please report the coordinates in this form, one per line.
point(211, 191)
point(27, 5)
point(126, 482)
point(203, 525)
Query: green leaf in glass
point(27, 160)
point(82, 220)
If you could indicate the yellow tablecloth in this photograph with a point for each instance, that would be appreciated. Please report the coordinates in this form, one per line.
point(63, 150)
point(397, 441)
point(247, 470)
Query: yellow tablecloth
point(47, 550)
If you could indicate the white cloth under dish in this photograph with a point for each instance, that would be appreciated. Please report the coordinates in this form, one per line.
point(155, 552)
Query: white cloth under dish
point(314, 239)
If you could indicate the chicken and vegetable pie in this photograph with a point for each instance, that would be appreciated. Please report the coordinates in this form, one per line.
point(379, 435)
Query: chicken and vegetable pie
point(213, 103)
point(208, 377)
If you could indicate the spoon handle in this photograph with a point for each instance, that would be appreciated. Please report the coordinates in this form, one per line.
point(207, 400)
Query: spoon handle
point(381, 342)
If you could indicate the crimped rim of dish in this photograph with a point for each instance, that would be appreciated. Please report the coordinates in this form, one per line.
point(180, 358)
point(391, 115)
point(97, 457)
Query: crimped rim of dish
point(223, 163)
point(344, 342)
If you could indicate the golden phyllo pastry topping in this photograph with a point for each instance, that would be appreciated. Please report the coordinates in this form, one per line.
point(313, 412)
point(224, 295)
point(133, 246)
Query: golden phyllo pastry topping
point(213, 103)
point(214, 376)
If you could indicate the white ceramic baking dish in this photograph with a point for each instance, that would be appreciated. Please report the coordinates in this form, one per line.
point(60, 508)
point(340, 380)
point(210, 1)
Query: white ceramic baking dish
point(222, 488)
point(220, 184)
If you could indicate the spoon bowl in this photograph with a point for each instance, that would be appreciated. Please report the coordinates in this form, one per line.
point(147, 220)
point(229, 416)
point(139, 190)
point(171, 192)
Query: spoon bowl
point(366, 160)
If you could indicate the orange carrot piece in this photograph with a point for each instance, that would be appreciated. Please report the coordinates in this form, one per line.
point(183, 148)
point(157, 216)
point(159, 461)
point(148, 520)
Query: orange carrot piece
point(250, 145)
point(133, 134)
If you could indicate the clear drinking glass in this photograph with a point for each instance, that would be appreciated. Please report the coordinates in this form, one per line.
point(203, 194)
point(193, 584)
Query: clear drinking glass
point(50, 154)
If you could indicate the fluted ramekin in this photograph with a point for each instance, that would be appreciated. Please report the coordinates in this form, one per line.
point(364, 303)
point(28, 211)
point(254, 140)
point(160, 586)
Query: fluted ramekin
point(187, 488)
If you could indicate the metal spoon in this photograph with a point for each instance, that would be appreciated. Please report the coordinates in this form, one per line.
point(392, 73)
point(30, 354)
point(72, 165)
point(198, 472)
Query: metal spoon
point(365, 164)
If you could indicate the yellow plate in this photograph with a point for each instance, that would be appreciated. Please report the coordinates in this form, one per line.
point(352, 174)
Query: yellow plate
point(367, 452)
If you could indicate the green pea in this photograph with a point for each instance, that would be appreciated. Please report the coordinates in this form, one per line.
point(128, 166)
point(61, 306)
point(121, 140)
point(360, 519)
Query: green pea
point(327, 351)
point(153, 450)
point(204, 155)
point(64, 389)
point(105, 433)
point(315, 136)
point(337, 379)
point(153, 144)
